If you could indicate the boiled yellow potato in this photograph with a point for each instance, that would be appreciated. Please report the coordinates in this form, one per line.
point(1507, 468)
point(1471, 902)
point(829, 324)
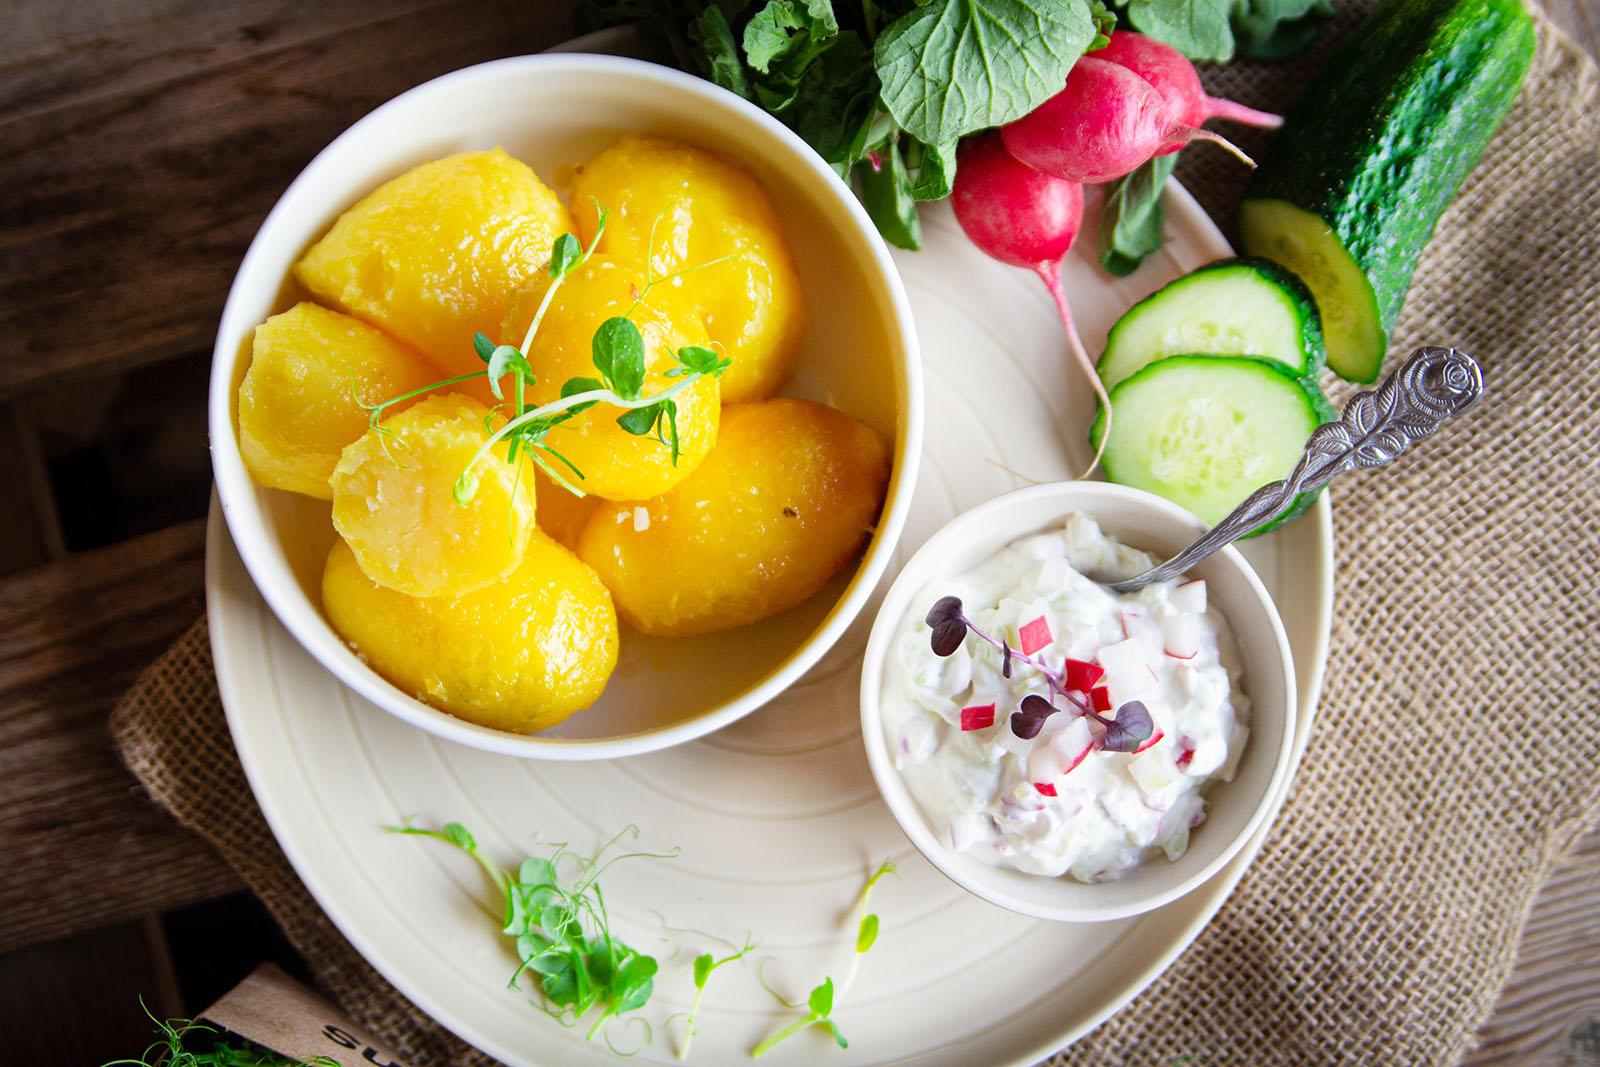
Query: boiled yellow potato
point(520, 654)
point(615, 464)
point(394, 501)
point(562, 513)
point(302, 400)
point(675, 206)
point(432, 255)
point(783, 502)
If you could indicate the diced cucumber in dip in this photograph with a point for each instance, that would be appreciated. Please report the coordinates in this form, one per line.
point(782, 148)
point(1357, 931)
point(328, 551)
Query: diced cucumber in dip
point(1234, 307)
point(1058, 801)
point(1207, 431)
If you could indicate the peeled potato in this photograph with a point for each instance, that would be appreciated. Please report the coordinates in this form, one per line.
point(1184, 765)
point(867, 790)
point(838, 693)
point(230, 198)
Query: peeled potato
point(783, 502)
point(520, 654)
point(562, 513)
point(616, 465)
point(432, 255)
point(301, 402)
point(675, 206)
point(393, 501)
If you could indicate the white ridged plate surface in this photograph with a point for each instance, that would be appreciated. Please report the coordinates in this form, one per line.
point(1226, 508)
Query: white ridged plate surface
point(776, 816)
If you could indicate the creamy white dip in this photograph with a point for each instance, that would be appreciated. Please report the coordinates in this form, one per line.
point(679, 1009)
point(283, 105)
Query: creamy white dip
point(986, 789)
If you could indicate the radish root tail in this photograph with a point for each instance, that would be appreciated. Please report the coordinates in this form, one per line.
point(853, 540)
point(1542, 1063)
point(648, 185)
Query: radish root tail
point(1198, 134)
point(1050, 274)
point(1235, 112)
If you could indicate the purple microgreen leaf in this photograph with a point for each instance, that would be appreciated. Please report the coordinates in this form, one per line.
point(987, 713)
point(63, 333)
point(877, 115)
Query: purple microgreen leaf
point(944, 609)
point(1026, 726)
point(1129, 729)
point(947, 636)
point(1005, 659)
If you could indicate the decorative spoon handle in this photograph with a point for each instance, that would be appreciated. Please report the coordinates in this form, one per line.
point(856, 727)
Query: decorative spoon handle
point(1377, 426)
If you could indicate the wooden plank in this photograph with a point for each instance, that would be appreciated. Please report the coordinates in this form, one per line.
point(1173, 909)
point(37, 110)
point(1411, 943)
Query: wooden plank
point(83, 845)
point(133, 190)
point(1550, 1007)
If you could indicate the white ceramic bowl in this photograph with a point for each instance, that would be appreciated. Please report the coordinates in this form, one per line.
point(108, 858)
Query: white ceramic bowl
point(552, 111)
point(1234, 809)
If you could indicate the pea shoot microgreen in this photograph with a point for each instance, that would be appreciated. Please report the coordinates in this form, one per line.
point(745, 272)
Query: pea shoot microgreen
point(172, 1049)
point(617, 350)
point(704, 965)
point(821, 1001)
point(562, 932)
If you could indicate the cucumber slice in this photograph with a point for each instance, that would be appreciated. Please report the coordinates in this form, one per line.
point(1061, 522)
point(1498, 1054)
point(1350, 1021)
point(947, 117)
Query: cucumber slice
point(1374, 151)
point(1234, 307)
point(1207, 431)
point(1308, 246)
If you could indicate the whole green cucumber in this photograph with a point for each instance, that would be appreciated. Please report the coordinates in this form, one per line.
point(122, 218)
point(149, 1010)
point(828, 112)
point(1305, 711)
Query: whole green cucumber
point(1369, 158)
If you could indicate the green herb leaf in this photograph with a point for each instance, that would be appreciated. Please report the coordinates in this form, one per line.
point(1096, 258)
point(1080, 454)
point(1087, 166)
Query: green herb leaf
point(821, 999)
point(833, 1028)
point(618, 350)
point(886, 194)
point(506, 359)
point(867, 933)
point(1130, 221)
point(483, 346)
point(640, 422)
point(701, 360)
point(458, 835)
point(565, 255)
point(950, 68)
point(702, 969)
point(574, 386)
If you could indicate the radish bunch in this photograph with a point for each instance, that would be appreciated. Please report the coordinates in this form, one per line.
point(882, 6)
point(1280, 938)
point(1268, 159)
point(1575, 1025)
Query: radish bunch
point(1018, 191)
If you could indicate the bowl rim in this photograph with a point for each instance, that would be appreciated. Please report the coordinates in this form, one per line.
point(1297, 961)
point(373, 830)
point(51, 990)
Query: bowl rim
point(241, 506)
point(891, 784)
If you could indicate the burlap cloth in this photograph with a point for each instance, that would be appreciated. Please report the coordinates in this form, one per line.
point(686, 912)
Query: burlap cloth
point(1456, 751)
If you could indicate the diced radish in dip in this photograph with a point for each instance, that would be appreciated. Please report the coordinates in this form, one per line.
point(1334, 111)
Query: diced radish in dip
point(1012, 762)
point(1034, 635)
point(976, 718)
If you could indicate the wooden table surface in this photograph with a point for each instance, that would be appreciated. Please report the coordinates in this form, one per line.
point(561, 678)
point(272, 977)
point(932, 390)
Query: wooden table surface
point(143, 143)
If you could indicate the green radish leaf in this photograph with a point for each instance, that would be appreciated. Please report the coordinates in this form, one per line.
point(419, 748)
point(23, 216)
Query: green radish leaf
point(948, 69)
point(566, 254)
point(932, 169)
point(1279, 29)
point(718, 52)
point(618, 351)
point(1131, 220)
point(886, 194)
point(789, 33)
point(1200, 29)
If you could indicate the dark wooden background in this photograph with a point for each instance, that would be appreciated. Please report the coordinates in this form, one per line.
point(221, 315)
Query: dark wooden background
point(142, 142)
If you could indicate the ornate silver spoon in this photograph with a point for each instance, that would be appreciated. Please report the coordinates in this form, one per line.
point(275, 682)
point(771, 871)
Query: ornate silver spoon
point(1376, 426)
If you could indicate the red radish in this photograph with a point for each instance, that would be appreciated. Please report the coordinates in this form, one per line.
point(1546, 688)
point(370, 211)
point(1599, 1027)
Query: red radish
point(1045, 789)
point(1103, 124)
point(1190, 596)
point(1155, 736)
point(1182, 635)
point(1026, 218)
point(1172, 75)
point(1034, 635)
point(977, 717)
point(1100, 696)
point(1082, 676)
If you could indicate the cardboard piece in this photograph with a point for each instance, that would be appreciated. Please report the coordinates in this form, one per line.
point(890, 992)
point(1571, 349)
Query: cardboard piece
point(274, 1010)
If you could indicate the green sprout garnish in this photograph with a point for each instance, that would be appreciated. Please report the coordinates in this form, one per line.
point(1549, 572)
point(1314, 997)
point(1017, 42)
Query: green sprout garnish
point(821, 1001)
point(703, 966)
point(171, 1049)
point(617, 350)
point(562, 932)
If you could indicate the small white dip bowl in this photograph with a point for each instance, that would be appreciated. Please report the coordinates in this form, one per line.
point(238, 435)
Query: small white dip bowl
point(1234, 809)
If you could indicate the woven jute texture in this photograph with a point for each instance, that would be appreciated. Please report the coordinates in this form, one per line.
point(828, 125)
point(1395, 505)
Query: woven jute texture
point(1456, 751)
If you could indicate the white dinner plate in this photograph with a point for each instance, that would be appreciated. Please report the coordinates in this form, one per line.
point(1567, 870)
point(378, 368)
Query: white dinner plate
point(776, 816)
